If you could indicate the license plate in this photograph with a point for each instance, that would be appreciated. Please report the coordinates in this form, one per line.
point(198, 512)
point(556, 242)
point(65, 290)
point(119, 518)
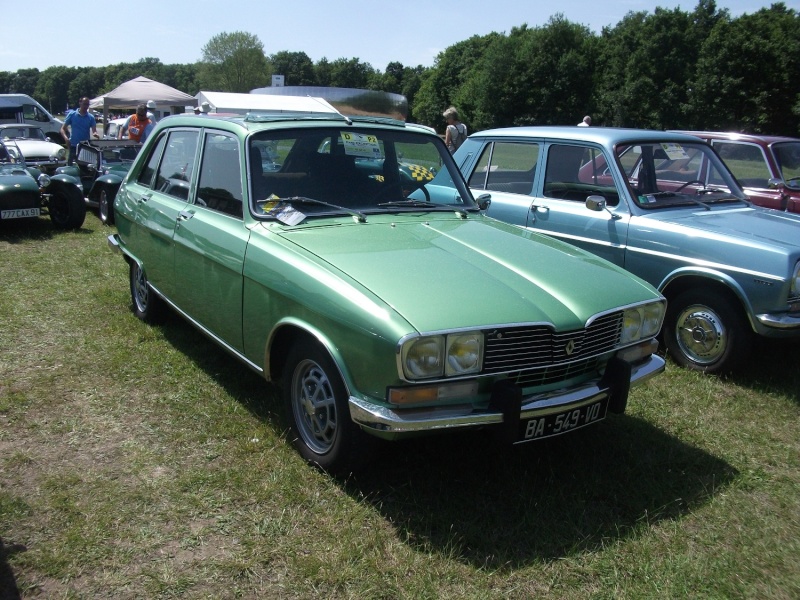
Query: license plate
point(538, 428)
point(19, 213)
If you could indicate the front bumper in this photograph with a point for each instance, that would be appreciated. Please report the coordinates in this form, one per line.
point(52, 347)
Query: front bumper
point(782, 321)
point(390, 422)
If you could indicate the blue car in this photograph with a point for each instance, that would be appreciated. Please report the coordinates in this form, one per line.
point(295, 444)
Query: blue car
point(663, 206)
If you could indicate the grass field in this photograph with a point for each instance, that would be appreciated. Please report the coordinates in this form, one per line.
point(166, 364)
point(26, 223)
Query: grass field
point(143, 462)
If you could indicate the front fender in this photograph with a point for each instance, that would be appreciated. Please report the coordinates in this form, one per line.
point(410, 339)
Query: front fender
point(109, 182)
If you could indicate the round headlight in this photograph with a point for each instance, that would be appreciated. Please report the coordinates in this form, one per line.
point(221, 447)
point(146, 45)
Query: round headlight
point(61, 154)
point(43, 180)
point(423, 357)
point(464, 353)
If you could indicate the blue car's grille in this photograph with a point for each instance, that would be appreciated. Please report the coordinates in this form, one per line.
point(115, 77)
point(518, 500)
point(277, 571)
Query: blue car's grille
point(538, 354)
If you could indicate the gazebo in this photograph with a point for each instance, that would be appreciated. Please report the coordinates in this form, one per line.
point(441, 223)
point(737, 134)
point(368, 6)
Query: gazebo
point(139, 90)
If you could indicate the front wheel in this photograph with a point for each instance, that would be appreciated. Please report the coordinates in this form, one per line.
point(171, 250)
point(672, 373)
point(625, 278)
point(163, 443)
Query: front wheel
point(147, 306)
point(316, 404)
point(67, 211)
point(704, 331)
point(105, 207)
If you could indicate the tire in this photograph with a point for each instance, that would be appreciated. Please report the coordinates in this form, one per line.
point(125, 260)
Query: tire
point(105, 207)
point(67, 211)
point(316, 405)
point(147, 306)
point(705, 331)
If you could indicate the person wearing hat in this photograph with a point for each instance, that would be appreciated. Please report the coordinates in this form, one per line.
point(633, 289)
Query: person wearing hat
point(136, 124)
point(202, 109)
point(151, 106)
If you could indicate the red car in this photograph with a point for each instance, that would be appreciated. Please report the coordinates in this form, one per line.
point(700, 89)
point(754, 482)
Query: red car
point(767, 167)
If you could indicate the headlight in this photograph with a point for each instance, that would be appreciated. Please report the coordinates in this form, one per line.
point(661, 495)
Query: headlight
point(43, 180)
point(451, 355)
point(641, 322)
point(795, 290)
point(464, 353)
point(61, 154)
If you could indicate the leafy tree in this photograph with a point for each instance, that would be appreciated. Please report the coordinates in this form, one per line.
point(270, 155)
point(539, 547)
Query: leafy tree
point(746, 77)
point(350, 73)
point(234, 62)
point(6, 77)
point(24, 81)
point(52, 90)
point(296, 67)
point(440, 85)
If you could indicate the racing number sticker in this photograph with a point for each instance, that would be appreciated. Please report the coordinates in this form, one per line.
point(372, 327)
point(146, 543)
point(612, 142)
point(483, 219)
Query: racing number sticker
point(361, 144)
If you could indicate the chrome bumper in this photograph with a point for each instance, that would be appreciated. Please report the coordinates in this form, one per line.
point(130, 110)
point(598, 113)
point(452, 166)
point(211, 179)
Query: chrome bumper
point(113, 243)
point(381, 419)
point(782, 321)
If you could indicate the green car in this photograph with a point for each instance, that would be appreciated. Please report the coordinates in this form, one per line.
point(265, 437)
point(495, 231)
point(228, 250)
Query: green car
point(383, 305)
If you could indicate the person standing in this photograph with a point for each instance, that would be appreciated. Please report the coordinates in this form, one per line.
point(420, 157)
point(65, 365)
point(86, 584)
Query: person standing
point(81, 125)
point(135, 125)
point(456, 131)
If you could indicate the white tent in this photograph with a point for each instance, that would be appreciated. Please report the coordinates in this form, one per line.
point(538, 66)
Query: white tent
point(241, 104)
point(140, 90)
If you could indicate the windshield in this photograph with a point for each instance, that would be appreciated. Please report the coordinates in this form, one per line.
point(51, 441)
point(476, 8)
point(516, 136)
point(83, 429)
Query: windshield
point(663, 174)
point(347, 170)
point(787, 155)
point(22, 133)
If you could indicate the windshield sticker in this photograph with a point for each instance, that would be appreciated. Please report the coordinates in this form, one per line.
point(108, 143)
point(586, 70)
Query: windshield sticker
point(283, 211)
point(648, 199)
point(361, 145)
point(674, 151)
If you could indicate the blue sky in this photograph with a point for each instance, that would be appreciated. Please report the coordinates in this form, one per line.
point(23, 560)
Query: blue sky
point(412, 32)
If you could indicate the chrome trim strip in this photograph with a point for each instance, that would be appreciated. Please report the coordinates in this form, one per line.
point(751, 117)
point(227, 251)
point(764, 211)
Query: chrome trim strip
point(385, 419)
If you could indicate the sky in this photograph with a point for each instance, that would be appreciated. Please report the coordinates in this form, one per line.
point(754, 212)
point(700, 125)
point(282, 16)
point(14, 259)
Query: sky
point(412, 32)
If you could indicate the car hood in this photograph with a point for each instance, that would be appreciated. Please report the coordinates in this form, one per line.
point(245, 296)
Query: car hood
point(37, 147)
point(449, 273)
point(755, 227)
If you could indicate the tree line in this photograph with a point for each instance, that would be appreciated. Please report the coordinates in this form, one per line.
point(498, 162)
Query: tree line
point(669, 69)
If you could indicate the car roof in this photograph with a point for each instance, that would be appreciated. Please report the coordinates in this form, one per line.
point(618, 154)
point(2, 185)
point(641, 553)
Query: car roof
point(265, 121)
point(741, 137)
point(609, 136)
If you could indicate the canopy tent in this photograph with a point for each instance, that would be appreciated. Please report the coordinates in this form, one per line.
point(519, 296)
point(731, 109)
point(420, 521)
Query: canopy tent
point(140, 90)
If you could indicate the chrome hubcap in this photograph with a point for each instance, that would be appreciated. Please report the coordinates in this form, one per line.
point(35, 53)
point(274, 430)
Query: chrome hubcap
point(701, 334)
point(314, 407)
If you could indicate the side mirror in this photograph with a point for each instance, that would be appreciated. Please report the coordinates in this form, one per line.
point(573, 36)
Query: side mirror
point(599, 204)
point(484, 200)
point(775, 183)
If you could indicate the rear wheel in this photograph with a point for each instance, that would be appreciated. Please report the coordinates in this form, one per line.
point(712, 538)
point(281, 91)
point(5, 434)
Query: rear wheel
point(317, 407)
point(105, 207)
point(147, 306)
point(67, 211)
point(704, 331)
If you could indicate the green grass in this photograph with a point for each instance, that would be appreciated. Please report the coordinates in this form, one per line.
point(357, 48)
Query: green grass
point(143, 462)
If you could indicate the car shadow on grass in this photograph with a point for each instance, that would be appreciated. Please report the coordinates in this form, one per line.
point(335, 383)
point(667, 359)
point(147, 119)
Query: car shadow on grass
point(502, 507)
point(772, 368)
point(19, 231)
point(8, 585)
point(471, 498)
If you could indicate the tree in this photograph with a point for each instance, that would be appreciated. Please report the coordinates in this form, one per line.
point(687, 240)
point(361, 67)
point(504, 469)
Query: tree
point(234, 62)
point(350, 73)
point(746, 76)
point(24, 81)
point(52, 90)
point(296, 67)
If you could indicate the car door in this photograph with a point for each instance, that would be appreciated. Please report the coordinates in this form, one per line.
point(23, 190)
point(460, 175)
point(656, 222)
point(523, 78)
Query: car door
point(506, 170)
point(749, 164)
point(211, 240)
point(161, 191)
point(570, 174)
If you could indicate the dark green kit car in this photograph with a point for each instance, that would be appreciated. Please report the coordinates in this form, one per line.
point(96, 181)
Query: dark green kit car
point(383, 304)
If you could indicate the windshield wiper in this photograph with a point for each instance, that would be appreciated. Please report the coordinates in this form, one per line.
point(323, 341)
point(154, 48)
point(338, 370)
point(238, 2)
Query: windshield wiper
point(357, 215)
point(674, 195)
point(410, 203)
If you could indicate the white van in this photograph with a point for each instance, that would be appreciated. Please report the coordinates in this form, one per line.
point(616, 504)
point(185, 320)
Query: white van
point(21, 108)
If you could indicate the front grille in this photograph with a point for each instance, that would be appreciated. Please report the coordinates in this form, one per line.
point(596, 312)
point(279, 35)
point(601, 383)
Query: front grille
point(538, 354)
point(21, 199)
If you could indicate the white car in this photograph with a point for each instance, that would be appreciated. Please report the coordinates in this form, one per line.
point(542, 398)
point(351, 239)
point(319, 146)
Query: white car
point(113, 126)
point(37, 150)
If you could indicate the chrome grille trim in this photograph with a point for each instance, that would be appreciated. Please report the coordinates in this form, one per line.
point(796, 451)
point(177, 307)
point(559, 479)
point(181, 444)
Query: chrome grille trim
point(521, 349)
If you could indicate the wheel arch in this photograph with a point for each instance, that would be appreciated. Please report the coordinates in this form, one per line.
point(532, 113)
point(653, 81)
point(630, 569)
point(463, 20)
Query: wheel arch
point(680, 281)
point(289, 332)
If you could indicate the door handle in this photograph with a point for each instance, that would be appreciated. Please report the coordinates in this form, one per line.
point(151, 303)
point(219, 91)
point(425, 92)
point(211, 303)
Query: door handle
point(144, 198)
point(185, 215)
